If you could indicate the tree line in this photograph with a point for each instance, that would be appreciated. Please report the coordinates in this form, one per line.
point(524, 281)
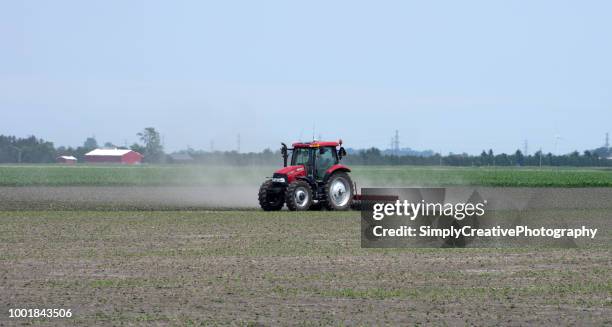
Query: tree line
point(34, 150)
point(589, 158)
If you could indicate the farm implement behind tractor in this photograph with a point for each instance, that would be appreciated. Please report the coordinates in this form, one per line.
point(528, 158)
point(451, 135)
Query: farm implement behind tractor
point(314, 179)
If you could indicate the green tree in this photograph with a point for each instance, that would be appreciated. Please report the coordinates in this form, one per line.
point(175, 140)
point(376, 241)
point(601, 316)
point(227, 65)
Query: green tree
point(26, 150)
point(90, 143)
point(484, 158)
point(153, 149)
point(520, 159)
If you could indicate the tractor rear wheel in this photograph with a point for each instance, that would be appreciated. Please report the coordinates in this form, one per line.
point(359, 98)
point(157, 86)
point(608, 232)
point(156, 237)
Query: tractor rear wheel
point(270, 201)
point(339, 191)
point(298, 196)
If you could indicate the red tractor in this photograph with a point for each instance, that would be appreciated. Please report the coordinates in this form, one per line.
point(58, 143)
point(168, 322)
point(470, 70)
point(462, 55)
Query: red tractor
point(315, 178)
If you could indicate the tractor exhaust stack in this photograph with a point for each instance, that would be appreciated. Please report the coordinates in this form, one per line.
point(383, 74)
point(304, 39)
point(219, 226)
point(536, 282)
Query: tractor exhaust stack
point(284, 154)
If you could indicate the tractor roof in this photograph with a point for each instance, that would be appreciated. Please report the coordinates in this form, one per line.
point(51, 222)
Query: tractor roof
point(314, 144)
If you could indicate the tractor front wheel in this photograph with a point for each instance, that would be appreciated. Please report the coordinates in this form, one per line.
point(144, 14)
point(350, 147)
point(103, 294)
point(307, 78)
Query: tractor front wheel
point(298, 196)
point(339, 191)
point(268, 200)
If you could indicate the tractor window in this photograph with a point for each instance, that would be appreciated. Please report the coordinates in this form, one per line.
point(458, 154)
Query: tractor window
point(325, 158)
point(300, 157)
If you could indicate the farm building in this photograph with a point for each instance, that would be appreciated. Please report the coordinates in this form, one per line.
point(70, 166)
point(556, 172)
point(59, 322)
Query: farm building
point(181, 158)
point(123, 156)
point(68, 160)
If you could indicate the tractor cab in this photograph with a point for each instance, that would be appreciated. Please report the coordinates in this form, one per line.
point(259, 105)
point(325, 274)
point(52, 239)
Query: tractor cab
point(314, 176)
point(317, 158)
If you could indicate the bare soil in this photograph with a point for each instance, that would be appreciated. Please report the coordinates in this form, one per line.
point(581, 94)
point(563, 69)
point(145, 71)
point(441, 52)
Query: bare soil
point(256, 268)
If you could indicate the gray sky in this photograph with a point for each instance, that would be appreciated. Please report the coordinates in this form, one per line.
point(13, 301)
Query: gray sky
point(457, 76)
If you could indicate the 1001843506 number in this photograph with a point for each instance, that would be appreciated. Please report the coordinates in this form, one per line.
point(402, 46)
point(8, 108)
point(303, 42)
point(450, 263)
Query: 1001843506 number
point(40, 313)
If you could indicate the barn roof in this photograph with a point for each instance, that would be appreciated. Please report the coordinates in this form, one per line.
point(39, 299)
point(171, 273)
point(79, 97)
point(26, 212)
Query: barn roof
point(108, 152)
point(68, 157)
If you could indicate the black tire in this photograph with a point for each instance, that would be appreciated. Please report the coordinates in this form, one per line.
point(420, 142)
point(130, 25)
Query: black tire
point(298, 196)
point(268, 201)
point(316, 206)
point(336, 201)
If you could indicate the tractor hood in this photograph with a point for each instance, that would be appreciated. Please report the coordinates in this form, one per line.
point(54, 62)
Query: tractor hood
point(292, 172)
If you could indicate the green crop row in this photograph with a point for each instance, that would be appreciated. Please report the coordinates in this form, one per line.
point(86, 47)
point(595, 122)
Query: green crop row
point(194, 175)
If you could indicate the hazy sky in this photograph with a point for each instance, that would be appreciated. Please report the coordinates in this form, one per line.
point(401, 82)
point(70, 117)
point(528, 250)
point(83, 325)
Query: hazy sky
point(457, 76)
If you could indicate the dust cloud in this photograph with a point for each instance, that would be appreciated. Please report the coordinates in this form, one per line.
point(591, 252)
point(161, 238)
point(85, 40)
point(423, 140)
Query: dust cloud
point(139, 187)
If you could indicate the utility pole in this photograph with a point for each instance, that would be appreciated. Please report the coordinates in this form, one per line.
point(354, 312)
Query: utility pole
point(238, 141)
point(557, 138)
point(526, 148)
point(540, 157)
point(18, 153)
point(607, 140)
point(313, 131)
point(396, 143)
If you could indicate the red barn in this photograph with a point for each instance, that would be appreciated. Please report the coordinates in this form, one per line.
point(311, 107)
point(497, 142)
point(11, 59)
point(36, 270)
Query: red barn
point(67, 160)
point(123, 156)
